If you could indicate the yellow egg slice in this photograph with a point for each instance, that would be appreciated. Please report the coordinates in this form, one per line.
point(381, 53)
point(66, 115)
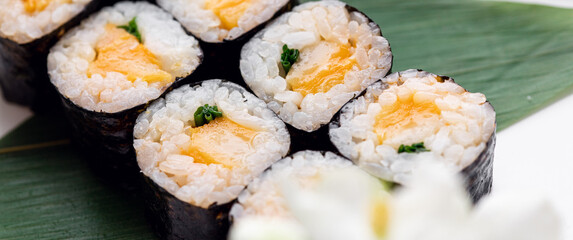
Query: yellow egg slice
point(221, 141)
point(403, 114)
point(32, 6)
point(119, 51)
point(228, 11)
point(322, 67)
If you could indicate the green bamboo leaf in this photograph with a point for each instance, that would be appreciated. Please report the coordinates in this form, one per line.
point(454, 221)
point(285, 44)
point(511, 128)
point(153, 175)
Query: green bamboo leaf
point(518, 55)
point(49, 193)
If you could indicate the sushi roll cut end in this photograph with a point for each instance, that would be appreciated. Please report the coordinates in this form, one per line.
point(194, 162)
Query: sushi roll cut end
point(415, 116)
point(206, 148)
point(111, 64)
point(309, 62)
point(24, 21)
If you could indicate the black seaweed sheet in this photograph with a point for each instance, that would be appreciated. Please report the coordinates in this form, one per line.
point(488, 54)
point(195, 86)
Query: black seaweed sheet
point(478, 176)
point(317, 140)
point(23, 67)
point(172, 218)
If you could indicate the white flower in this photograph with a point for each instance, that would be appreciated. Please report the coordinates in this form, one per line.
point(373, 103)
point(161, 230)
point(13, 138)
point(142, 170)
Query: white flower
point(434, 206)
point(268, 228)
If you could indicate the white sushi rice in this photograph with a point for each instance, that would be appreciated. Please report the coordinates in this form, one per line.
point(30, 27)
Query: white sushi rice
point(23, 27)
point(178, 54)
point(206, 25)
point(306, 26)
point(456, 136)
point(160, 139)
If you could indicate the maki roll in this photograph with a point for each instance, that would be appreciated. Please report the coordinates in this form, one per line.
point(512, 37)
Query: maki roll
point(294, 195)
point(223, 26)
point(110, 67)
point(26, 21)
point(309, 62)
point(415, 116)
point(28, 28)
point(198, 148)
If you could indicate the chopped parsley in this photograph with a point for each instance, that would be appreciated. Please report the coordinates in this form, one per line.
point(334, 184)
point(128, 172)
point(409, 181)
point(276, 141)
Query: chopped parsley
point(288, 57)
point(206, 114)
point(131, 28)
point(414, 148)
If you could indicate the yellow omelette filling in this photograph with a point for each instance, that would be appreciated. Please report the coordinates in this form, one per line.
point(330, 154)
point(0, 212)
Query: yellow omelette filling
point(326, 66)
point(403, 114)
point(228, 11)
point(119, 51)
point(32, 6)
point(221, 141)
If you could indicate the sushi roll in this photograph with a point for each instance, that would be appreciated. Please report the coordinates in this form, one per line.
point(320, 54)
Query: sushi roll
point(309, 62)
point(108, 69)
point(296, 192)
point(27, 31)
point(198, 148)
point(414, 116)
point(223, 26)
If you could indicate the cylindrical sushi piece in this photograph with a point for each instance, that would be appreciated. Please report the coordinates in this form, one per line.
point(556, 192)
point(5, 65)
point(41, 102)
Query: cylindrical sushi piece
point(195, 167)
point(27, 31)
point(109, 68)
point(223, 27)
point(309, 62)
point(414, 116)
point(295, 192)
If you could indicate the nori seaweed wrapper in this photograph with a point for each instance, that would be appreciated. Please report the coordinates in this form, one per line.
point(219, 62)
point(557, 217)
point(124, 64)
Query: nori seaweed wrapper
point(222, 58)
point(172, 218)
point(316, 140)
point(478, 176)
point(106, 139)
point(23, 67)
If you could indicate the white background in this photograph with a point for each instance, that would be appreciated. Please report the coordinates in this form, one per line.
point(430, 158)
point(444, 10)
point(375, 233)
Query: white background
point(533, 155)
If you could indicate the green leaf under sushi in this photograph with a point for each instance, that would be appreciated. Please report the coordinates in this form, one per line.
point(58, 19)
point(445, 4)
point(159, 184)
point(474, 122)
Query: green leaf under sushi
point(48, 191)
point(131, 28)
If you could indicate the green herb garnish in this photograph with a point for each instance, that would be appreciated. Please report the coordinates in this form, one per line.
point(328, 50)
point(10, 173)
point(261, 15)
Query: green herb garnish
point(414, 148)
point(131, 28)
point(288, 57)
point(206, 114)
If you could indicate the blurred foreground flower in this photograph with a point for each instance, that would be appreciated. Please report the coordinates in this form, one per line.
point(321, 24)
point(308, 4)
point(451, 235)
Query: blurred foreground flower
point(350, 204)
